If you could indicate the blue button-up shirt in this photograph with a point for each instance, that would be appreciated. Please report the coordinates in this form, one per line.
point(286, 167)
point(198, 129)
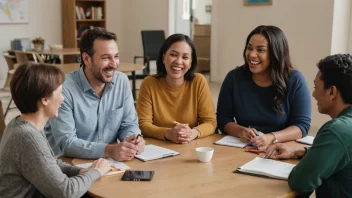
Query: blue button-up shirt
point(87, 122)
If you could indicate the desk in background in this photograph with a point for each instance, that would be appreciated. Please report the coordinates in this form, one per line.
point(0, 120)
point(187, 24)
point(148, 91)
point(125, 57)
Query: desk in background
point(69, 52)
point(123, 67)
point(185, 176)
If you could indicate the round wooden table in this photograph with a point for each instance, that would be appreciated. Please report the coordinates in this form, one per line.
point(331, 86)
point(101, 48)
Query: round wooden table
point(185, 176)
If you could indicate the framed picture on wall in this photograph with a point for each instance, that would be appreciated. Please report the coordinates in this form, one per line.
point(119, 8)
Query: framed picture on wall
point(257, 2)
point(14, 11)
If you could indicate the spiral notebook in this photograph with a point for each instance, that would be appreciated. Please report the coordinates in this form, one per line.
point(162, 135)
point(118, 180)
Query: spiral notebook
point(266, 168)
point(153, 152)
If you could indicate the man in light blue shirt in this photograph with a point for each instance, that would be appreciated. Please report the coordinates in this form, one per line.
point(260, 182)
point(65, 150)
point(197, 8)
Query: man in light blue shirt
point(98, 117)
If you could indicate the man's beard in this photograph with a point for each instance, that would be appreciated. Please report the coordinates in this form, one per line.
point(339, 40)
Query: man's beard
point(99, 75)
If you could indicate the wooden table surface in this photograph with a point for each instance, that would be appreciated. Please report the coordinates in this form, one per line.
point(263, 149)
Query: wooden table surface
point(185, 176)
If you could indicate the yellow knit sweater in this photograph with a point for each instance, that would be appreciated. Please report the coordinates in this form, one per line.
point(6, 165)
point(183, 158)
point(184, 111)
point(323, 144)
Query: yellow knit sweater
point(158, 106)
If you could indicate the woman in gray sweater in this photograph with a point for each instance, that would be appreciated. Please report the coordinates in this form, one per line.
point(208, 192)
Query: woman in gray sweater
point(28, 167)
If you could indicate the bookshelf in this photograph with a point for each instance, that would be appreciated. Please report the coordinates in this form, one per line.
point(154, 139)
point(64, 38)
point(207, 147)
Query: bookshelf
point(79, 15)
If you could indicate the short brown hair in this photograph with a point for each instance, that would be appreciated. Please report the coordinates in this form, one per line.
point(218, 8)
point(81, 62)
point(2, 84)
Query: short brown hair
point(86, 43)
point(32, 82)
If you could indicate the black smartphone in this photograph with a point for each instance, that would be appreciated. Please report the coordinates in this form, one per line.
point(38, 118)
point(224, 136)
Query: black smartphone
point(131, 175)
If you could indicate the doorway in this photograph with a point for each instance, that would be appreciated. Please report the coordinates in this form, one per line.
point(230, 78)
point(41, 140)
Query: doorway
point(193, 18)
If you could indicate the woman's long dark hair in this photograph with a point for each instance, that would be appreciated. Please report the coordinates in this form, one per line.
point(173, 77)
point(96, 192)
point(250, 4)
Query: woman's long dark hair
point(280, 63)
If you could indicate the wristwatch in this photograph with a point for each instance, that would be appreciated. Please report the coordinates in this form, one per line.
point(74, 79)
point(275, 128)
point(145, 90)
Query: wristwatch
point(276, 140)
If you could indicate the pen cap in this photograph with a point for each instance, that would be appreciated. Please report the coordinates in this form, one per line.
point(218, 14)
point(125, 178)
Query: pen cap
point(204, 154)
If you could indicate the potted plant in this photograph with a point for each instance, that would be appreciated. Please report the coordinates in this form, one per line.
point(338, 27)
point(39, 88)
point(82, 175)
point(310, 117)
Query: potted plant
point(38, 43)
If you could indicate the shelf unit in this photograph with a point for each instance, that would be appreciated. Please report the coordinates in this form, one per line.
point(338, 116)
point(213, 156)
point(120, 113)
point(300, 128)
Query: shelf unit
point(72, 26)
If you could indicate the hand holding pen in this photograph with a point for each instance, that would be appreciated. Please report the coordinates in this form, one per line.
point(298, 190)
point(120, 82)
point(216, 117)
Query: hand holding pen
point(247, 134)
point(137, 140)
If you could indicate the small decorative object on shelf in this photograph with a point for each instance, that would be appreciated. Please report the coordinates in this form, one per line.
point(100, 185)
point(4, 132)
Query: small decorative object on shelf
point(38, 43)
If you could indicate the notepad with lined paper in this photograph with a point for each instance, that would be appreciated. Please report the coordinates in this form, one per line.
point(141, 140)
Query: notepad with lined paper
point(267, 168)
point(152, 152)
point(231, 141)
point(306, 140)
point(121, 167)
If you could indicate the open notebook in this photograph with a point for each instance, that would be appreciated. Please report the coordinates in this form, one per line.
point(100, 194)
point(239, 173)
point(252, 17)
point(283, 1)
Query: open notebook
point(121, 167)
point(231, 141)
point(306, 140)
point(152, 152)
point(267, 168)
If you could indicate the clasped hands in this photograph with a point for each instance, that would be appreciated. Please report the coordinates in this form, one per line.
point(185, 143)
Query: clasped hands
point(181, 133)
point(126, 150)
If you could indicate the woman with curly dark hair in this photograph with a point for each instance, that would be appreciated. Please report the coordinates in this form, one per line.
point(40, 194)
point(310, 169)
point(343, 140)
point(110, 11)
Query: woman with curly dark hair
point(265, 100)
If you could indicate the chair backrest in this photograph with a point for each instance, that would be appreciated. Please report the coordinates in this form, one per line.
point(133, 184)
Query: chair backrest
point(9, 61)
point(21, 57)
point(152, 41)
point(2, 121)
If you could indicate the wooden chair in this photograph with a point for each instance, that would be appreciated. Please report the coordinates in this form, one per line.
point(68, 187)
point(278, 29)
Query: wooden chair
point(10, 65)
point(25, 57)
point(2, 121)
point(11, 72)
point(21, 57)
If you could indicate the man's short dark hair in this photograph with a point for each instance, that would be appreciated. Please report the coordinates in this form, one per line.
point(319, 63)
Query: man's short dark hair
point(86, 43)
point(336, 70)
point(32, 82)
point(160, 67)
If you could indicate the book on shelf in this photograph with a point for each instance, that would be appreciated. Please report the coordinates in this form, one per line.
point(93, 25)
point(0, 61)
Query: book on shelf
point(82, 13)
point(89, 13)
point(78, 13)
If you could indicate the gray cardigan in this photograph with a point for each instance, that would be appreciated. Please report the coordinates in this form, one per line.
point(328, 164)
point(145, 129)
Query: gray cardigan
point(28, 167)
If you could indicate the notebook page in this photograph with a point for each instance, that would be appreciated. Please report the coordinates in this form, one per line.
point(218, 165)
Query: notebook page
point(117, 164)
point(306, 140)
point(155, 152)
point(268, 167)
point(231, 141)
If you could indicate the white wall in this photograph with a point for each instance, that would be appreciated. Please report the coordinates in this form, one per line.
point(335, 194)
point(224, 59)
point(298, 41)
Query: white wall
point(44, 21)
point(307, 24)
point(114, 18)
point(199, 12)
point(341, 26)
point(135, 16)
point(183, 26)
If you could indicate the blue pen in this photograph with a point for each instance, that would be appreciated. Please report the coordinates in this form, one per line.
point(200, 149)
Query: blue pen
point(250, 143)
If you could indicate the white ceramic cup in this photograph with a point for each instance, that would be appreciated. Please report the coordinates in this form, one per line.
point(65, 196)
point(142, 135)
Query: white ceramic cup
point(204, 154)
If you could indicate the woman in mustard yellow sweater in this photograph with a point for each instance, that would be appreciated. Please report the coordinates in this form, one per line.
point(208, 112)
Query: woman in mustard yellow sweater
point(176, 104)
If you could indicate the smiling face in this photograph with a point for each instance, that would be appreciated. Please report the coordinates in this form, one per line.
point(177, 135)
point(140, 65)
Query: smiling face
point(257, 54)
point(323, 96)
point(178, 60)
point(104, 62)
